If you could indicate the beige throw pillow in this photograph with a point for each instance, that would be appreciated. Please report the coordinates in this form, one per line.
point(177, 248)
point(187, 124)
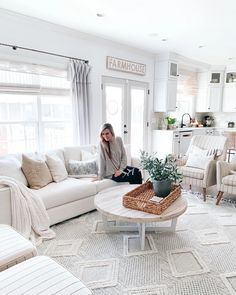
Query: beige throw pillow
point(36, 172)
point(56, 167)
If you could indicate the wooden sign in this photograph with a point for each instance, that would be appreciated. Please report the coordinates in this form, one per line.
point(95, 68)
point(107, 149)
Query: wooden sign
point(118, 64)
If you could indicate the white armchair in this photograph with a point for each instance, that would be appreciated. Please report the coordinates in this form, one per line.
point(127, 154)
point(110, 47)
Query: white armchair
point(199, 167)
point(226, 179)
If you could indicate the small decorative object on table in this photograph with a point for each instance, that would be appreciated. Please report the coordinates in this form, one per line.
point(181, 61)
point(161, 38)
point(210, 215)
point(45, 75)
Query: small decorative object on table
point(142, 198)
point(163, 172)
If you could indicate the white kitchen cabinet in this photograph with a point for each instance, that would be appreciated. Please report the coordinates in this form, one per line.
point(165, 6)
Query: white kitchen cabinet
point(165, 85)
point(229, 98)
point(165, 93)
point(201, 104)
point(229, 93)
point(210, 89)
point(214, 98)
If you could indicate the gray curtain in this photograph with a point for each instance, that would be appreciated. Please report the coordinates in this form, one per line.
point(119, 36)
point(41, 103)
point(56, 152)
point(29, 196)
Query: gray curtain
point(79, 77)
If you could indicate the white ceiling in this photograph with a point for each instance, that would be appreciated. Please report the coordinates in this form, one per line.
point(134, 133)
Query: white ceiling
point(186, 24)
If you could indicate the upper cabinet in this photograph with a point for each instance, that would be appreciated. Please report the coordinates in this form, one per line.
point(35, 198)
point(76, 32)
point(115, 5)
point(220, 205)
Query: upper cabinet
point(229, 96)
point(173, 70)
point(210, 89)
point(230, 77)
point(165, 85)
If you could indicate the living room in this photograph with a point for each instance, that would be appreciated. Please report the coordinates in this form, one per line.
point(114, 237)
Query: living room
point(133, 66)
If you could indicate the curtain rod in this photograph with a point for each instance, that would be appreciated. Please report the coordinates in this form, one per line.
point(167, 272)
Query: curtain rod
point(15, 47)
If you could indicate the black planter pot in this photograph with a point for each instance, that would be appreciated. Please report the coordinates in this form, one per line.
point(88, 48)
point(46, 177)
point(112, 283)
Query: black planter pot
point(161, 188)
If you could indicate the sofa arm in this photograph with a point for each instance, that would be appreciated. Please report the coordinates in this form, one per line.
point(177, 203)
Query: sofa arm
point(5, 205)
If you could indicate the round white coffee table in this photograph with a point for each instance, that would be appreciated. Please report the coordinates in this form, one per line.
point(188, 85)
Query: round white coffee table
point(109, 204)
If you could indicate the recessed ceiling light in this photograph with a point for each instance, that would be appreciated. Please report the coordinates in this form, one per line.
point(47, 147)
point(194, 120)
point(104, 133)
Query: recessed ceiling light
point(201, 46)
point(100, 14)
point(164, 39)
point(153, 34)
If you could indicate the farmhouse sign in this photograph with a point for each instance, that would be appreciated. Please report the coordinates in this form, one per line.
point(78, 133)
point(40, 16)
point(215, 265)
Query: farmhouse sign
point(118, 64)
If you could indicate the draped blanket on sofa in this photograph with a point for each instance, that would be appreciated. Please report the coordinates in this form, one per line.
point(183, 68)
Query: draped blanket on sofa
point(29, 216)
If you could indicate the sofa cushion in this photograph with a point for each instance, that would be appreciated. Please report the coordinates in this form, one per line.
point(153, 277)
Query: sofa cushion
point(11, 167)
point(191, 172)
point(229, 180)
point(57, 168)
point(106, 183)
point(36, 172)
point(66, 191)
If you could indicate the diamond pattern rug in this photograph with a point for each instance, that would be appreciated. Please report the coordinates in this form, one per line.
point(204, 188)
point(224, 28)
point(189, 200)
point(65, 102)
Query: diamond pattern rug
point(198, 259)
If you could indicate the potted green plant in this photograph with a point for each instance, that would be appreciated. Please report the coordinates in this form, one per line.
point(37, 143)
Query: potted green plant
point(170, 122)
point(163, 172)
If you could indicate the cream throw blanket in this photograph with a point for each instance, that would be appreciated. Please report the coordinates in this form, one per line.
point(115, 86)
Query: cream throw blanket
point(28, 213)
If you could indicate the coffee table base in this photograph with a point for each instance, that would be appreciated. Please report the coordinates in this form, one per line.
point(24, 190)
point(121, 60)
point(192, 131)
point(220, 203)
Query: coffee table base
point(140, 227)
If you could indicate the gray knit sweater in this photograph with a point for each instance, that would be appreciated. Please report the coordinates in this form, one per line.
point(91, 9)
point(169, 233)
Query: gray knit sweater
point(107, 166)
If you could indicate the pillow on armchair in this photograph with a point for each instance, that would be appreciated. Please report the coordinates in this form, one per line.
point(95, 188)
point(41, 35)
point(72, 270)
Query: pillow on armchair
point(199, 158)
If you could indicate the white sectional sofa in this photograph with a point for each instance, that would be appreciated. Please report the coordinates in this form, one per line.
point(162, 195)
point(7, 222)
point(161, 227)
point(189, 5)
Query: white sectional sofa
point(63, 200)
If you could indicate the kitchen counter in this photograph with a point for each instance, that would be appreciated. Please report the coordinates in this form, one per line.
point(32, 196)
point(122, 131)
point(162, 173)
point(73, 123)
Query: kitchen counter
point(199, 128)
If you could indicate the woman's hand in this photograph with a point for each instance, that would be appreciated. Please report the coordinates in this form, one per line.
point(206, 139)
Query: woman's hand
point(117, 173)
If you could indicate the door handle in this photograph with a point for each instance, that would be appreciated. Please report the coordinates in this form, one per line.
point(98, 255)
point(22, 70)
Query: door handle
point(125, 132)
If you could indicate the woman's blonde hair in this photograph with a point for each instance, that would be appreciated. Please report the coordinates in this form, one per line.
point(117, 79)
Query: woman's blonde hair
point(106, 145)
point(106, 126)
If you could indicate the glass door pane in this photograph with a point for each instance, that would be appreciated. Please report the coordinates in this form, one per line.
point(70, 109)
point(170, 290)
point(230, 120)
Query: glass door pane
point(137, 119)
point(124, 106)
point(114, 99)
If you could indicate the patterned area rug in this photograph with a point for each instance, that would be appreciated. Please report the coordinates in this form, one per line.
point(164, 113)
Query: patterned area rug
point(198, 259)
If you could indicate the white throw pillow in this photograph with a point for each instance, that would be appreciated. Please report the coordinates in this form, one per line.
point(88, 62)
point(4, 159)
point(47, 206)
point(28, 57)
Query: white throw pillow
point(56, 167)
point(199, 158)
point(83, 168)
point(11, 167)
point(87, 155)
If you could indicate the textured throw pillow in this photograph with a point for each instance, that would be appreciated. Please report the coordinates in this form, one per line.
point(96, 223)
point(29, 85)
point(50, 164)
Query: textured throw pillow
point(82, 168)
point(36, 172)
point(199, 158)
point(56, 167)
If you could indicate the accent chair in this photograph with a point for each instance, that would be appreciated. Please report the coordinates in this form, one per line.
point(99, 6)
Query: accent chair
point(199, 165)
point(226, 179)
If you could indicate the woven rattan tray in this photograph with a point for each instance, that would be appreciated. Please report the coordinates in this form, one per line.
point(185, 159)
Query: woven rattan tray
point(139, 199)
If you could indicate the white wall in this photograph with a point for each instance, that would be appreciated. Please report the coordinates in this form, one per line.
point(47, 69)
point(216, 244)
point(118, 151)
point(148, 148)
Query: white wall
point(33, 33)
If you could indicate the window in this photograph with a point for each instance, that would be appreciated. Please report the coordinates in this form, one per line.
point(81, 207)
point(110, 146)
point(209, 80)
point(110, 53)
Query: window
point(35, 108)
point(186, 93)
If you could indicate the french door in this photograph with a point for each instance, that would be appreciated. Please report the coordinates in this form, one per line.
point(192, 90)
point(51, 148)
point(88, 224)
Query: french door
point(125, 107)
